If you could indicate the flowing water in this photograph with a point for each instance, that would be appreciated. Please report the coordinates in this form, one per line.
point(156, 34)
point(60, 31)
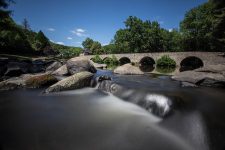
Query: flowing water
point(90, 119)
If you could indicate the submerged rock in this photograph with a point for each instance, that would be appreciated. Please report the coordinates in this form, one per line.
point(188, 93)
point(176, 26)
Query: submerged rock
point(158, 105)
point(79, 64)
point(76, 81)
point(128, 69)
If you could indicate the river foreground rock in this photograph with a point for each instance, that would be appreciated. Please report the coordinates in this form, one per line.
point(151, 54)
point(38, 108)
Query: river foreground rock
point(128, 69)
point(28, 81)
point(76, 81)
point(79, 64)
point(210, 76)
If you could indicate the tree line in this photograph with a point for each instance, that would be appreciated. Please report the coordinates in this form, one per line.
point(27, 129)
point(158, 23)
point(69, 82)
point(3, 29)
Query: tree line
point(202, 29)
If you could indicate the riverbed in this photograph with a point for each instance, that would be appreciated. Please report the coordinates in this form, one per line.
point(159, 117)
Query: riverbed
point(90, 119)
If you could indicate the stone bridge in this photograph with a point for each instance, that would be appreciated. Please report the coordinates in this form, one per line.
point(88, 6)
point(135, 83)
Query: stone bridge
point(181, 58)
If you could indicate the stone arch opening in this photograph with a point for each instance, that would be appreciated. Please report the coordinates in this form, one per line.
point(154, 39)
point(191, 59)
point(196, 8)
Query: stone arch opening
point(191, 63)
point(147, 64)
point(124, 60)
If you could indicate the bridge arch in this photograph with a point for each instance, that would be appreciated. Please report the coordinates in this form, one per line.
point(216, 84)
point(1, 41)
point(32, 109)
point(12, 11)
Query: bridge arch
point(191, 63)
point(147, 64)
point(124, 60)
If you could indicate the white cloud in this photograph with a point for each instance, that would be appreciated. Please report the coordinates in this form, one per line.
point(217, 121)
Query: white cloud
point(78, 42)
point(61, 43)
point(51, 29)
point(80, 32)
point(69, 38)
point(52, 41)
point(170, 30)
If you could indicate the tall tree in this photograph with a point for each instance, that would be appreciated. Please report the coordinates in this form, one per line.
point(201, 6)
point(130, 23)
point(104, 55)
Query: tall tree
point(41, 41)
point(25, 24)
point(87, 43)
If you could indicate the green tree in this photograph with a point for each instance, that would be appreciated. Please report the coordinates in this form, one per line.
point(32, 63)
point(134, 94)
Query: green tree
point(96, 48)
point(41, 41)
point(197, 28)
point(25, 24)
point(87, 43)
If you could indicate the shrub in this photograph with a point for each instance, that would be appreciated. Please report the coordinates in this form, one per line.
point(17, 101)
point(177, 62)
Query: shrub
point(166, 61)
point(111, 61)
point(97, 59)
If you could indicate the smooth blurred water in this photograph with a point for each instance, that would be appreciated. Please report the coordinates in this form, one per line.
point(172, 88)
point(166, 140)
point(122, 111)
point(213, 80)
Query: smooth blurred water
point(89, 119)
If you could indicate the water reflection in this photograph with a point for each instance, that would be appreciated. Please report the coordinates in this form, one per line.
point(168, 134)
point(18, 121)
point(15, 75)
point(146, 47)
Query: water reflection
point(147, 68)
point(165, 70)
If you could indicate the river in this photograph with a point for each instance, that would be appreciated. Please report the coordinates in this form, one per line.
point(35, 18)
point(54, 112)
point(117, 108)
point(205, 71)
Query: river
point(90, 119)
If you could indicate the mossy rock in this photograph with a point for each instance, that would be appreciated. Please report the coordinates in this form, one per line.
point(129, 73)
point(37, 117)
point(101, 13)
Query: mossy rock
point(40, 81)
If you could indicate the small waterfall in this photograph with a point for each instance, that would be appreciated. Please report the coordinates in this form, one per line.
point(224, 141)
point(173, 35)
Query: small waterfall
point(157, 104)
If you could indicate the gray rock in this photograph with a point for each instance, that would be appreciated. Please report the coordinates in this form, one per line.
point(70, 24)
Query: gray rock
point(209, 76)
point(212, 69)
point(128, 69)
point(28, 81)
point(54, 66)
point(211, 83)
point(187, 84)
point(12, 83)
point(99, 66)
point(13, 71)
point(76, 81)
point(62, 71)
point(79, 64)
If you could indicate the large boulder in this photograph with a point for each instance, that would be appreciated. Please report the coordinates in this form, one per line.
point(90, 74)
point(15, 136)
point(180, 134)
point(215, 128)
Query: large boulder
point(201, 78)
point(76, 81)
point(62, 71)
point(12, 83)
point(28, 81)
point(40, 80)
point(53, 66)
point(79, 64)
point(212, 69)
point(99, 66)
point(13, 71)
point(128, 69)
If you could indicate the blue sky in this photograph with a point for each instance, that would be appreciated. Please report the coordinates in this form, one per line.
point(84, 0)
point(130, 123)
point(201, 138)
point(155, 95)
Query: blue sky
point(69, 22)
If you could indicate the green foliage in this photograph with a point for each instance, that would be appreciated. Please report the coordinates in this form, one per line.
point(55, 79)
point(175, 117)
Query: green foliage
point(87, 43)
point(113, 61)
point(110, 49)
point(66, 51)
point(97, 59)
point(41, 41)
point(96, 48)
point(145, 36)
point(165, 61)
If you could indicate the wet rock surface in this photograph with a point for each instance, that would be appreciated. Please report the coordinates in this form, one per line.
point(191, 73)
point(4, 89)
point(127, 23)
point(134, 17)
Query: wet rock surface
point(76, 81)
point(128, 69)
point(211, 76)
point(79, 64)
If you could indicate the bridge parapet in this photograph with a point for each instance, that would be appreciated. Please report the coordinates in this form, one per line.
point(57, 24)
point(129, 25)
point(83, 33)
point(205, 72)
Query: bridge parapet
point(208, 58)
